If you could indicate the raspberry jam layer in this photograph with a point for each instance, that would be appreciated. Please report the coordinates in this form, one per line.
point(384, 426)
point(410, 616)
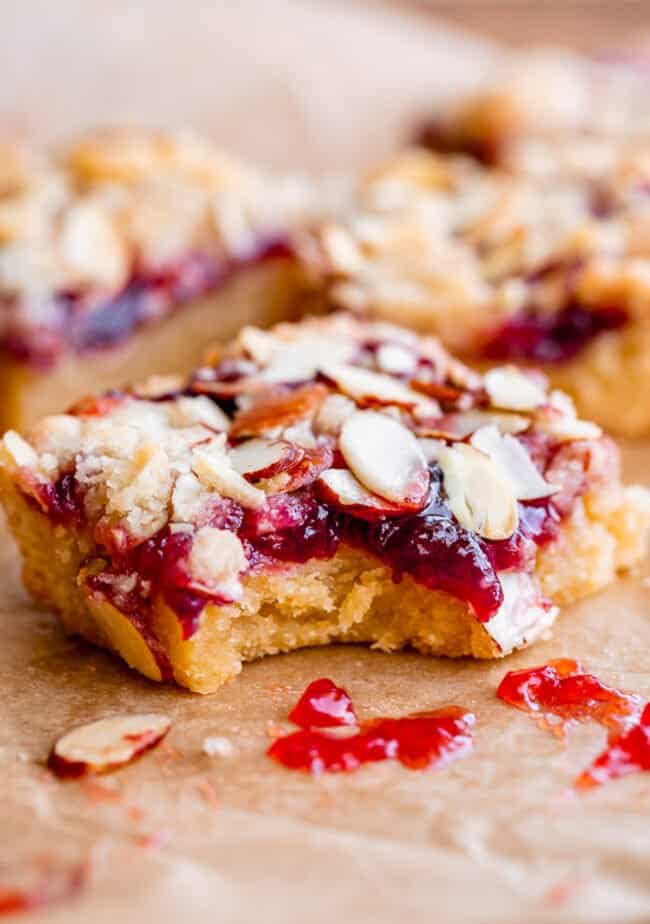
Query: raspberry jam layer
point(82, 322)
point(430, 546)
point(417, 741)
point(560, 693)
point(552, 338)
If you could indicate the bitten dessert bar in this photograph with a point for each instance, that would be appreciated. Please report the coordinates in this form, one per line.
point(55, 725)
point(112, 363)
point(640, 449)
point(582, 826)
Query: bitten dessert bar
point(553, 273)
point(333, 480)
point(126, 254)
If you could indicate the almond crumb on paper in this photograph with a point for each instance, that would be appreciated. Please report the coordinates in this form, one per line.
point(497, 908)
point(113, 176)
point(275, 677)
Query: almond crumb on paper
point(217, 746)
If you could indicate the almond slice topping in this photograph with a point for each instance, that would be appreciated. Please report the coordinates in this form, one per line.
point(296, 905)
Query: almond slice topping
point(480, 495)
point(106, 744)
point(262, 458)
point(340, 488)
point(214, 469)
point(17, 451)
point(512, 390)
point(385, 457)
point(510, 455)
point(368, 387)
point(278, 411)
point(564, 427)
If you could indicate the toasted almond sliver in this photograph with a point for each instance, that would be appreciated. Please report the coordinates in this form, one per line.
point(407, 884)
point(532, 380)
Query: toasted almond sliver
point(376, 388)
point(214, 469)
point(262, 458)
point(511, 456)
point(107, 744)
point(385, 457)
point(395, 359)
point(510, 389)
point(480, 495)
point(18, 451)
point(565, 428)
point(278, 411)
point(340, 487)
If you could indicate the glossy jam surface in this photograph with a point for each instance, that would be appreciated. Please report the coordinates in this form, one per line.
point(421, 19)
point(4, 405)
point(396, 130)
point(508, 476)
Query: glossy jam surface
point(552, 338)
point(561, 693)
point(430, 546)
point(625, 754)
point(323, 704)
point(417, 741)
point(84, 321)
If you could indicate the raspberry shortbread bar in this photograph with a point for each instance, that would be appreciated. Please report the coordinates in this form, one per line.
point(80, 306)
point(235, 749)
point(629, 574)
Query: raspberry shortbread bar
point(508, 267)
point(127, 230)
point(333, 480)
point(548, 112)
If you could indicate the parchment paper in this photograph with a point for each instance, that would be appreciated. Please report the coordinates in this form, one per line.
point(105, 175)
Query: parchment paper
point(178, 836)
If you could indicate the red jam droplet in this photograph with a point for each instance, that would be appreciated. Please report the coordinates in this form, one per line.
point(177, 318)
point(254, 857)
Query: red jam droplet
point(561, 693)
point(323, 705)
point(417, 741)
point(626, 753)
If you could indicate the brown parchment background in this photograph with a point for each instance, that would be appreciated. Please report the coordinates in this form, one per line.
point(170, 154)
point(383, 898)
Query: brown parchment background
point(180, 837)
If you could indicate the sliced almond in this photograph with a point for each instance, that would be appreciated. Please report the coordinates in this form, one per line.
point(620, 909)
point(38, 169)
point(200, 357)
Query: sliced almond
point(157, 386)
point(480, 495)
point(431, 448)
point(510, 389)
point(395, 359)
point(339, 487)
point(385, 457)
point(278, 411)
point(263, 458)
point(106, 744)
point(313, 462)
point(300, 360)
point(332, 413)
point(211, 464)
point(459, 425)
point(17, 451)
point(374, 388)
point(510, 455)
point(564, 428)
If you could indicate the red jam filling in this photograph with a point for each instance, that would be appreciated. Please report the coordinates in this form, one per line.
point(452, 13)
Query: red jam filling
point(626, 753)
point(552, 338)
point(430, 546)
point(417, 741)
point(323, 704)
point(82, 322)
point(560, 693)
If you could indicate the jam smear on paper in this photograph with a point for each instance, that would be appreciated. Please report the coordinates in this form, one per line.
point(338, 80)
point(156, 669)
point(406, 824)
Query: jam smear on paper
point(560, 693)
point(626, 753)
point(417, 741)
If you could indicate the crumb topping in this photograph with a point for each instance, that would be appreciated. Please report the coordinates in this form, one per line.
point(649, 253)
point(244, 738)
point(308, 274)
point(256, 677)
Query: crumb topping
point(219, 468)
point(445, 244)
point(79, 226)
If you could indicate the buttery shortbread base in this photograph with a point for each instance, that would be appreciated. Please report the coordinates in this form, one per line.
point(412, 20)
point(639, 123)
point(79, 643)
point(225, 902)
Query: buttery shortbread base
point(261, 295)
point(348, 598)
